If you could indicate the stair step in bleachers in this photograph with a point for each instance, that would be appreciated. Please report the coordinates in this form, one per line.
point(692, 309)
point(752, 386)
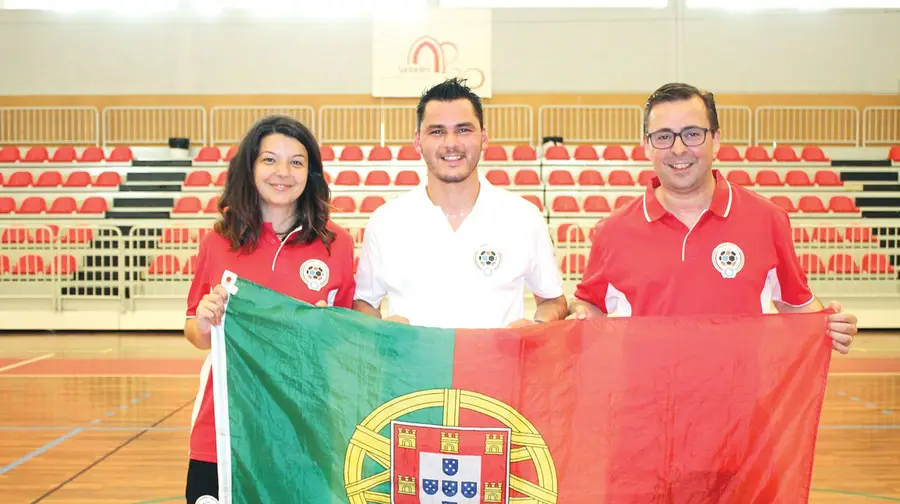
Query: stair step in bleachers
point(167, 176)
point(149, 188)
point(134, 214)
point(120, 203)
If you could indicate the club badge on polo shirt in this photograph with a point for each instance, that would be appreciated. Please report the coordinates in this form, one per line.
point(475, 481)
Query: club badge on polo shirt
point(314, 274)
point(487, 259)
point(728, 259)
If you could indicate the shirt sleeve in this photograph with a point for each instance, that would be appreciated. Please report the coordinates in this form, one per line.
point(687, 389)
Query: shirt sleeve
point(347, 289)
point(200, 284)
point(369, 283)
point(594, 283)
point(793, 286)
point(543, 277)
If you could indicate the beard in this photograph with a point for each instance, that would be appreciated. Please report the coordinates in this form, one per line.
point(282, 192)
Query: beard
point(453, 176)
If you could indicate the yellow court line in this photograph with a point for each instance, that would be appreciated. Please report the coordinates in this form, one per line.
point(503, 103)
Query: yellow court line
point(26, 362)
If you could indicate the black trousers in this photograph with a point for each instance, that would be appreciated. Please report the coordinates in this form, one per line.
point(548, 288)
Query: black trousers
point(202, 481)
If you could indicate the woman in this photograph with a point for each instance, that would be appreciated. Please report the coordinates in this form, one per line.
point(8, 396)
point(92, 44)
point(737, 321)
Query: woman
point(274, 231)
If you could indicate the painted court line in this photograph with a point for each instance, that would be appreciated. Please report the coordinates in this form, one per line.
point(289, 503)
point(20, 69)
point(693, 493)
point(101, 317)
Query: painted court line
point(40, 450)
point(26, 362)
point(85, 429)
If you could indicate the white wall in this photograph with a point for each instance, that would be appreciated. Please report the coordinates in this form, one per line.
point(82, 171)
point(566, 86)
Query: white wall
point(538, 50)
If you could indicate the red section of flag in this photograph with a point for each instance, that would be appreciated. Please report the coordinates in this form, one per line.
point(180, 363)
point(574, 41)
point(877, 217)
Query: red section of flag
point(410, 441)
point(660, 410)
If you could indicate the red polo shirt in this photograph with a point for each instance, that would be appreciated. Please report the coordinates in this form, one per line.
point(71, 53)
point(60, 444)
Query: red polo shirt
point(290, 270)
point(737, 258)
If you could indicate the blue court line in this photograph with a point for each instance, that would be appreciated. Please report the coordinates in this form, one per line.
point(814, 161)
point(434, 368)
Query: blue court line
point(40, 450)
point(162, 499)
point(70, 434)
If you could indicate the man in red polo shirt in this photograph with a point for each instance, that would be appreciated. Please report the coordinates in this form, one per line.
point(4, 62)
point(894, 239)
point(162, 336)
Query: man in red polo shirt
point(695, 244)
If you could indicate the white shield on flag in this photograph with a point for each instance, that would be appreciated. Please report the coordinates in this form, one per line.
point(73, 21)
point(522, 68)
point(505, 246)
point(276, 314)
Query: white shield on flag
point(444, 478)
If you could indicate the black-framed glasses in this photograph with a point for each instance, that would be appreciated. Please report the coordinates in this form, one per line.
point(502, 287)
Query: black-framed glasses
point(665, 138)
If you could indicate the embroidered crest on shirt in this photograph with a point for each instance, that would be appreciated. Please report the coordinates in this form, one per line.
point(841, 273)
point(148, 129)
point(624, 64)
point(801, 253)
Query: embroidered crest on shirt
point(728, 259)
point(314, 274)
point(487, 259)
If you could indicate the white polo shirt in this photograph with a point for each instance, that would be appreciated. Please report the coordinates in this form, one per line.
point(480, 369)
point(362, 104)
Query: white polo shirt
point(472, 278)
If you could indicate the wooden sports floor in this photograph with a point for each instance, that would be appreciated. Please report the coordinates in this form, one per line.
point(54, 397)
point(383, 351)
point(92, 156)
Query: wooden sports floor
point(90, 418)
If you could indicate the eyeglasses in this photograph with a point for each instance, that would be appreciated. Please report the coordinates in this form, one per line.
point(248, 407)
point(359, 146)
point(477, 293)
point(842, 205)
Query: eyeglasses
point(665, 138)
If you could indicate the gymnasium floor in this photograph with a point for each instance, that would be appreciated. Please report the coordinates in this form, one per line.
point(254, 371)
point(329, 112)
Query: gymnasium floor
point(104, 419)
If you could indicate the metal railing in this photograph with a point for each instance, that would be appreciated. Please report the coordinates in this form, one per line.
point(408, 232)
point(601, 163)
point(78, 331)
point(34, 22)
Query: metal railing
point(736, 124)
point(592, 124)
point(153, 125)
point(807, 125)
point(366, 124)
point(228, 125)
point(881, 126)
point(49, 125)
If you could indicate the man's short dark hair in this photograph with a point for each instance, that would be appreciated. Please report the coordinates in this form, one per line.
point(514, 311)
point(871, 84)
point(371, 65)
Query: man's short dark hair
point(678, 91)
point(450, 90)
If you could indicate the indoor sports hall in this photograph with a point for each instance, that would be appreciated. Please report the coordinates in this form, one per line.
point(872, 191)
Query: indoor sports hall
point(118, 121)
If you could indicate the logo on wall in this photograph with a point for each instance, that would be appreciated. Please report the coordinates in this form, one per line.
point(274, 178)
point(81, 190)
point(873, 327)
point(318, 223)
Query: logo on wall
point(427, 55)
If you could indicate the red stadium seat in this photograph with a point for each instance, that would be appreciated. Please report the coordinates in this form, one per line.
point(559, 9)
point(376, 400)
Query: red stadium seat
point(63, 205)
point(638, 153)
point(92, 154)
point(10, 154)
point(50, 178)
point(351, 153)
point(78, 179)
point(208, 154)
point(343, 204)
point(37, 154)
point(624, 200)
point(813, 154)
point(739, 177)
point(586, 152)
point(645, 177)
point(797, 178)
point(33, 205)
point(370, 204)
point(378, 178)
point(569, 233)
point(757, 154)
point(495, 153)
point(860, 235)
point(565, 203)
point(590, 178)
point(327, 153)
point(7, 205)
point(811, 204)
point(407, 178)
point(498, 177)
point(785, 154)
point(4, 265)
point(768, 178)
point(348, 178)
point(231, 153)
point(527, 177)
point(198, 178)
point(93, 205)
point(843, 264)
point(190, 266)
point(811, 264)
point(596, 204)
point(614, 153)
point(560, 178)
point(620, 178)
point(894, 154)
point(212, 205)
point(221, 178)
point(63, 264)
point(842, 204)
point(108, 179)
point(380, 153)
point(121, 154)
point(556, 153)
point(828, 178)
point(14, 236)
point(20, 179)
point(29, 264)
point(524, 153)
point(409, 153)
point(800, 235)
point(42, 235)
point(573, 264)
point(827, 235)
point(187, 205)
point(165, 264)
point(64, 154)
point(876, 263)
point(729, 154)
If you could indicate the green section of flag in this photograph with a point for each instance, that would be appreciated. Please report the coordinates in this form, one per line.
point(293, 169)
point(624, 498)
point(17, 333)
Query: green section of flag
point(294, 375)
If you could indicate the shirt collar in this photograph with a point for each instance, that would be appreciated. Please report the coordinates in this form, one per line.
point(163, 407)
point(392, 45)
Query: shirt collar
point(720, 204)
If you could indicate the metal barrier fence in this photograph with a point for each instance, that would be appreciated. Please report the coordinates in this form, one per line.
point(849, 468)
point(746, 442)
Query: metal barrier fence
point(598, 124)
point(156, 261)
point(371, 124)
point(881, 126)
point(49, 125)
point(228, 125)
point(807, 125)
point(153, 125)
point(736, 124)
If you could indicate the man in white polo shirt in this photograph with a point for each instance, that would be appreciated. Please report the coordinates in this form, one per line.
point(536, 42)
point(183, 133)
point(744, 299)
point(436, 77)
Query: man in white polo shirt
point(458, 252)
